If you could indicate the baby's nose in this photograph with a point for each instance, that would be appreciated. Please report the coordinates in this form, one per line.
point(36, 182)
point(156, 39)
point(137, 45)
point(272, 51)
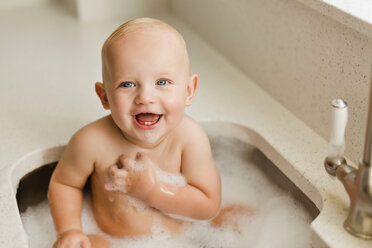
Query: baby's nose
point(145, 96)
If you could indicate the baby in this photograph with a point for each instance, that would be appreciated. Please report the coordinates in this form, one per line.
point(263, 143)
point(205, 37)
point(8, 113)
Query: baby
point(147, 160)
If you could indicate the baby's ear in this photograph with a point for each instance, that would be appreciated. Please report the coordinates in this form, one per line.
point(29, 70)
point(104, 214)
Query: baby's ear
point(191, 88)
point(101, 93)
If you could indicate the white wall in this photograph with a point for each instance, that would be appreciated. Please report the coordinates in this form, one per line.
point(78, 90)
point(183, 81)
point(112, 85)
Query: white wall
point(96, 10)
point(298, 55)
point(6, 4)
point(91, 10)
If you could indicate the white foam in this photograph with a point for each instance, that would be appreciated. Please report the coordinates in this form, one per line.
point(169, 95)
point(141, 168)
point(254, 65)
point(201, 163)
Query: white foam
point(110, 185)
point(177, 180)
point(183, 218)
point(136, 203)
point(158, 229)
point(242, 182)
point(138, 166)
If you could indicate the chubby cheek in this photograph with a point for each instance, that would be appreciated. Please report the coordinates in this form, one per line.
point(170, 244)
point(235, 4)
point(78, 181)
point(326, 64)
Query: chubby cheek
point(119, 110)
point(118, 104)
point(175, 107)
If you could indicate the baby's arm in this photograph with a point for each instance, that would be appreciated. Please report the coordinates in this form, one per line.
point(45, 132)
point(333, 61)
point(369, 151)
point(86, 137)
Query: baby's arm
point(200, 197)
point(65, 190)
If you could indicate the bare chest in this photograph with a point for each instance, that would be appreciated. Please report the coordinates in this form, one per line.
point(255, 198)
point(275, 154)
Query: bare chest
point(167, 158)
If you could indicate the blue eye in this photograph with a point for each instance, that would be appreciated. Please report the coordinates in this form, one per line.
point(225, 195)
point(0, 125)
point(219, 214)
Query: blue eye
point(127, 84)
point(162, 82)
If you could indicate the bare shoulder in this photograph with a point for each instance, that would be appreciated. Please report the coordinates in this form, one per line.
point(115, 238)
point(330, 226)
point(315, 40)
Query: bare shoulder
point(80, 155)
point(93, 133)
point(90, 137)
point(191, 132)
point(194, 141)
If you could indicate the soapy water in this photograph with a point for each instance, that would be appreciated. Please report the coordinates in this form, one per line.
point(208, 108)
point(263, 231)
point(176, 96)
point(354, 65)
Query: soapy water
point(278, 220)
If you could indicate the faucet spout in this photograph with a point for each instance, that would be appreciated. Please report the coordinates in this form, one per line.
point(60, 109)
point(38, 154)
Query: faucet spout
point(368, 140)
point(358, 184)
point(359, 220)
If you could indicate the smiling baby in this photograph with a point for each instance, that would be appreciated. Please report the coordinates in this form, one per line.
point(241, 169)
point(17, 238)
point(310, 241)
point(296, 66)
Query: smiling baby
point(147, 160)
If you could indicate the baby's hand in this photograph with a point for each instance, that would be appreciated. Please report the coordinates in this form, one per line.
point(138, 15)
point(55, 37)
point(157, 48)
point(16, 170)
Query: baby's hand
point(135, 177)
point(72, 239)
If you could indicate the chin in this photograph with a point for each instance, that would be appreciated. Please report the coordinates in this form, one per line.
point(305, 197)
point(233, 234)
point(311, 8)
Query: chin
point(150, 137)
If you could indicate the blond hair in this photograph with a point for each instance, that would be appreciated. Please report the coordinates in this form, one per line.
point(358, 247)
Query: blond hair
point(137, 24)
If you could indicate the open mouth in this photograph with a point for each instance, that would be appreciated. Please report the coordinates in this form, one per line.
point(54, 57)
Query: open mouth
point(147, 120)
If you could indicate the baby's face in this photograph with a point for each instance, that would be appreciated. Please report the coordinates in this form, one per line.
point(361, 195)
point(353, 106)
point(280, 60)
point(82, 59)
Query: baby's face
point(149, 84)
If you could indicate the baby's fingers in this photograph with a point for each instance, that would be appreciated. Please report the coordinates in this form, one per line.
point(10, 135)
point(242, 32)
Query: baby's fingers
point(116, 180)
point(73, 244)
point(126, 163)
point(118, 185)
point(85, 244)
point(115, 172)
point(143, 161)
point(81, 244)
point(144, 158)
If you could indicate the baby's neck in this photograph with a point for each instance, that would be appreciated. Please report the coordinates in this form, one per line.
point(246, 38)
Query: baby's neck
point(144, 145)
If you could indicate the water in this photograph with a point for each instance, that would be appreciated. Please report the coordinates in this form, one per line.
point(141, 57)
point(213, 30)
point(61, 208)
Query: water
point(278, 220)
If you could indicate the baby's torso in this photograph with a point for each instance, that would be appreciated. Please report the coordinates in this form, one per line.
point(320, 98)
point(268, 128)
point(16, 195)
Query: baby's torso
point(117, 213)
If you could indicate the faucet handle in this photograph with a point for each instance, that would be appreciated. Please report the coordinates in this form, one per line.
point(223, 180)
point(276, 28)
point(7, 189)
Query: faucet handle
point(336, 146)
point(332, 163)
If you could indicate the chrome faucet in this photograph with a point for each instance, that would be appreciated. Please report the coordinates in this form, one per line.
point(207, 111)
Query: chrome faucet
point(357, 182)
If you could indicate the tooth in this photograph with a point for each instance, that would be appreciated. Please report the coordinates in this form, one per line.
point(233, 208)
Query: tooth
point(147, 123)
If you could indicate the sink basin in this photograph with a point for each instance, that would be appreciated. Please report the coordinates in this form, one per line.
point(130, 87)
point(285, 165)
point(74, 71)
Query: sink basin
point(249, 176)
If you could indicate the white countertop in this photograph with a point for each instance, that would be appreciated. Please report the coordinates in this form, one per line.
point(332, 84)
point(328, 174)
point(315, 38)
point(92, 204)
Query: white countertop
point(49, 65)
point(356, 14)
